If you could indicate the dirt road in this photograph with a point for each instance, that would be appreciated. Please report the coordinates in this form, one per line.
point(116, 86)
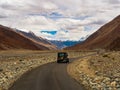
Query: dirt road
point(52, 76)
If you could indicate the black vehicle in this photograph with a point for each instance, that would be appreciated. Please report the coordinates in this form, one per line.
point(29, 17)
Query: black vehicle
point(62, 57)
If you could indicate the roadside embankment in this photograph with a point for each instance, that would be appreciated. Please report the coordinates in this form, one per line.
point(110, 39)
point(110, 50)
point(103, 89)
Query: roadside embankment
point(12, 66)
point(99, 72)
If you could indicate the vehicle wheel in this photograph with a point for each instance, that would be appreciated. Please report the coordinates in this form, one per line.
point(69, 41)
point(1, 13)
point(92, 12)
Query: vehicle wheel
point(67, 61)
point(58, 61)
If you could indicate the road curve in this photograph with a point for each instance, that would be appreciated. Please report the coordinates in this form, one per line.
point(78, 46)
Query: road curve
point(52, 76)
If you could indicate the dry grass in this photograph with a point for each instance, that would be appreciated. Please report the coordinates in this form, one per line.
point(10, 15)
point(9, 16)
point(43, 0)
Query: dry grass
point(107, 64)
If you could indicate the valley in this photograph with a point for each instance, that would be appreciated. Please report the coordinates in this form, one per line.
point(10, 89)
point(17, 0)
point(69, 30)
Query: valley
point(94, 63)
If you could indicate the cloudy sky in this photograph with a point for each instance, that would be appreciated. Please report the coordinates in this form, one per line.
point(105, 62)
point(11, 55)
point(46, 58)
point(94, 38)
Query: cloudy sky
point(58, 19)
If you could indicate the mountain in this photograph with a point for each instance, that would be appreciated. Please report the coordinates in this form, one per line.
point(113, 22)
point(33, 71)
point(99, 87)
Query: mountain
point(107, 37)
point(64, 44)
point(10, 39)
point(37, 39)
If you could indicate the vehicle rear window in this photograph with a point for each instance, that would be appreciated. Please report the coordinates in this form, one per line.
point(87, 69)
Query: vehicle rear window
point(61, 54)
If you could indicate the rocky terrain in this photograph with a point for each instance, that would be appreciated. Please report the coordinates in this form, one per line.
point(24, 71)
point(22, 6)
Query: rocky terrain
point(15, 63)
point(12, 66)
point(100, 72)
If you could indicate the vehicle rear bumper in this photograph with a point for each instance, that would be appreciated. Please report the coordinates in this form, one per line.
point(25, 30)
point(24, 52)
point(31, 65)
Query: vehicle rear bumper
point(63, 61)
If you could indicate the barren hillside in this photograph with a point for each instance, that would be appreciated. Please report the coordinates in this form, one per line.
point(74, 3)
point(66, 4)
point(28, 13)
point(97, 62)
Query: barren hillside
point(107, 37)
point(10, 39)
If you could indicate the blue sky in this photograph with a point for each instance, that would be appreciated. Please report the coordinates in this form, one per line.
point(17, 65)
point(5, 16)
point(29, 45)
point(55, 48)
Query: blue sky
point(49, 32)
point(58, 19)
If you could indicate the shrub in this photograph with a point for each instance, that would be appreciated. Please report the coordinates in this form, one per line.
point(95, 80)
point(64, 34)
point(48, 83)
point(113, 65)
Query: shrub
point(105, 55)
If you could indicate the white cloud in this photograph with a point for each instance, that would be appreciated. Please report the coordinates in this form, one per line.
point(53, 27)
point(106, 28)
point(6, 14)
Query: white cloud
point(70, 15)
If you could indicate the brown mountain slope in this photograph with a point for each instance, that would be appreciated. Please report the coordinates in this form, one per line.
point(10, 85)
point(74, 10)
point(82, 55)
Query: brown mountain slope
point(115, 45)
point(106, 36)
point(38, 40)
point(10, 39)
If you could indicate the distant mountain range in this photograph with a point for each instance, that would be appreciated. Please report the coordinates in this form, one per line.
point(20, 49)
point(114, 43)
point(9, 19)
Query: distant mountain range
point(107, 37)
point(64, 44)
point(15, 39)
point(37, 39)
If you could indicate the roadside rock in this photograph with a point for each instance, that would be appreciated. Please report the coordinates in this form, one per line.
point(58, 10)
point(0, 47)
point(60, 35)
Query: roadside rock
point(13, 69)
point(100, 72)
